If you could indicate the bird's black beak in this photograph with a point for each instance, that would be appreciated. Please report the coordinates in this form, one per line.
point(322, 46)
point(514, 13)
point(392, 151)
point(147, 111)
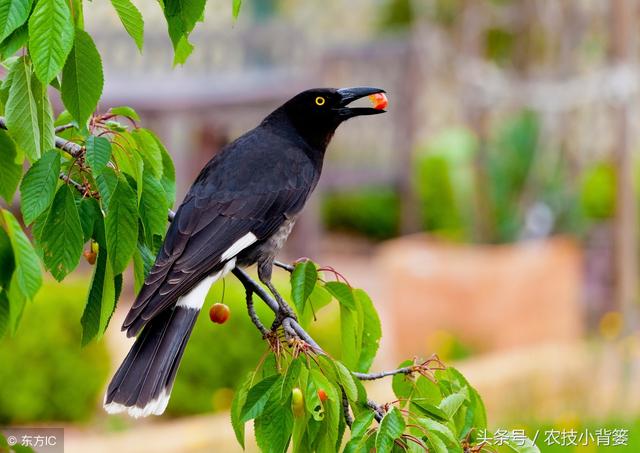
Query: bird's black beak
point(349, 95)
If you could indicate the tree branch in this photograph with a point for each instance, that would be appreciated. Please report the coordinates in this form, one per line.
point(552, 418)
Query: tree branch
point(383, 374)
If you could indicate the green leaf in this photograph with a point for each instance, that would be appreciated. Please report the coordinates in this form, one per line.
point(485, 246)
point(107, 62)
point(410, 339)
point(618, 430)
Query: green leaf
point(371, 333)
point(27, 273)
point(89, 211)
point(125, 111)
point(44, 113)
point(328, 436)
point(273, 429)
point(181, 16)
point(236, 8)
point(121, 226)
point(391, 428)
point(440, 436)
point(107, 182)
point(14, 42)
point(153, 207)
point(13, 13)
point(50, 37)
point(168, 172)
point(257, 398)
point(239, 399)
point(39, 185)
point(128, 159)
point(98, 153)
point(62, 237)
point(303, 281)
point(290, 379)
point(319, 298)
point(349, 333)
point(10, 168)
point(21, 110)
point(143, 259)
point(343, 294)
point(101, 301)
point(518, 444)
point(131, 20)
point(149, 150)
point(82, 78)
point(451, 403)
point(362, 423)
point(346, 381)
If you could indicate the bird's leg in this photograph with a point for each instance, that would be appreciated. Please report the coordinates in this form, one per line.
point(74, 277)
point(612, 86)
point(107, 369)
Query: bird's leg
point(284, 310)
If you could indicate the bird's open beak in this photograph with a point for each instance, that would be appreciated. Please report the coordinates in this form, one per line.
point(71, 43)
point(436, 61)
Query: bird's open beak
point(349, 95)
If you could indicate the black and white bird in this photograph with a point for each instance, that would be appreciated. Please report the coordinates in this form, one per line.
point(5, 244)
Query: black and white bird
point(238, 212)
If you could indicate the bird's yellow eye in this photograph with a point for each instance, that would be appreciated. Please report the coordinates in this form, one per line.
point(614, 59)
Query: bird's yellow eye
point(320, 100)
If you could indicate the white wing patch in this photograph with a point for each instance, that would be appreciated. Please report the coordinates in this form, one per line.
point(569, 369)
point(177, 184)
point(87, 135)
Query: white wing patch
point(195, 298)
point(238, 246)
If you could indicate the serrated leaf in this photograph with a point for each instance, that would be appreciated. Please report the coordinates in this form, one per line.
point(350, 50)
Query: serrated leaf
point(98, 153)
point(131, 20)
point(128, 159)
point(290, 379)
point(440, 436)
point(327, 438)
point(451, 403)
point(343, 293)
point(21, 110)
point(346, 381)
point(39, 185)
point(149, 150)
point(13, 13)
point(62, 237)
point(181, 16)
point(10, 170)
point(82, 78)
point(44, 114)
point(152, 208)
point(168, 180)
point(51, 34)
point(101, 300)
point(89, 211)
point(107, 182)
point(121, 226)
point(257, 398)
point(349, 337)
point(27, 273)
point(273, 429)
point(371, 333)
point(391, 428)
point(14, 42)
point(239, 399)
point(125, 110)
point(303, 281)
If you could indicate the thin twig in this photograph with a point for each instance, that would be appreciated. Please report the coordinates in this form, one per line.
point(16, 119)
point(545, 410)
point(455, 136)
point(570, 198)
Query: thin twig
point(285, 266)
point(383, 374)
point(64, 127)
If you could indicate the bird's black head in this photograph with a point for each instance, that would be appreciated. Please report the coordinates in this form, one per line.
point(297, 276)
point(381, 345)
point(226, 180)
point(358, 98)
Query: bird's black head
point(318, 112)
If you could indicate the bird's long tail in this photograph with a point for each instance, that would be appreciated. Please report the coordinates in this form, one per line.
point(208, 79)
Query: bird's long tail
point(142, 385)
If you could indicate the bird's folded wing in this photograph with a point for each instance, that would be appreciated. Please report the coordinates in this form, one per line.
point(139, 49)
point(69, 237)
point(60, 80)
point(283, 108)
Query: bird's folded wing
point(202, 237)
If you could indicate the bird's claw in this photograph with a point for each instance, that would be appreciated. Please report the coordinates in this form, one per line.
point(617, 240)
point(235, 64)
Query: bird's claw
point(284, 312)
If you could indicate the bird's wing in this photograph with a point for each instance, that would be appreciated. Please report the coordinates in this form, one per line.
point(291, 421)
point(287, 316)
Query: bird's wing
point(232, 204)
